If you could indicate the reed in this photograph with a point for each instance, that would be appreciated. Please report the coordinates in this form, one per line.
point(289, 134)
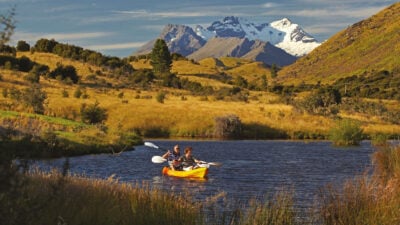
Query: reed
point(278, 210)
point(368, 199)
point(54, 198)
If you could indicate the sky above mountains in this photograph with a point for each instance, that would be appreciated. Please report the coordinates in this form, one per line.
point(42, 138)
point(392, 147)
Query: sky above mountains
point(119, 27)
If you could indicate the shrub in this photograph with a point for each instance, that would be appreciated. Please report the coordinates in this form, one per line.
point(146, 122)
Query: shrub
point(346, 133)
point(78, 93)
point(93, 113)
point(64, 93)
point(228, 126)
point(160, 97)
point(34, 97)
point(65, 72)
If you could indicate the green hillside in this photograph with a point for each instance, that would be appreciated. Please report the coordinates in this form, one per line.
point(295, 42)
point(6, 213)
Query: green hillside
point(363, 49)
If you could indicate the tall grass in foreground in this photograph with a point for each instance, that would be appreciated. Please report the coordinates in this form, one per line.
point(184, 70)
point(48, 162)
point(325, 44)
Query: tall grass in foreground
point(57, 199)
point(369, 199)
point(54, 198)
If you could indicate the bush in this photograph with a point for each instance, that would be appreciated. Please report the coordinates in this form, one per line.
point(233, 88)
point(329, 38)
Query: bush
point(65, 93)
point(93, 113)
point(78, 93)
point(160, 97)
point(346, 133)
point(34, 97)
point(228, 126)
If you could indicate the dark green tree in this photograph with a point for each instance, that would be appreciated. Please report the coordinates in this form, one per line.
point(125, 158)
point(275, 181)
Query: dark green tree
point(45, 45)
point(23, 46)
point(274, 71)
point(264, 83)
point(160, 58)
point(65, 72)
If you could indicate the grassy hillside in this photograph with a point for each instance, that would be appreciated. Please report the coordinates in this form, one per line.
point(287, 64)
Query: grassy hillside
point(181, 115)
point(365, 48)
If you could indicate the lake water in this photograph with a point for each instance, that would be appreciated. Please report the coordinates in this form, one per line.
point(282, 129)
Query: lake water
point(249, 168)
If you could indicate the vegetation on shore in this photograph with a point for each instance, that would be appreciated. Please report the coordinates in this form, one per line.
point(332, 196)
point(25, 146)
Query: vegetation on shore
point(56, 197)
point(63, 100)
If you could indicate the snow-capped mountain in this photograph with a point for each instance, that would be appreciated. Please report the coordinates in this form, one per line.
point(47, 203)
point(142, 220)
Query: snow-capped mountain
point(281, 33)
point(179, 38)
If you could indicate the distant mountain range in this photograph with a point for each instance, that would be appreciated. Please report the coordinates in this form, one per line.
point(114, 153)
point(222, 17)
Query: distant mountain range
point(280, 42)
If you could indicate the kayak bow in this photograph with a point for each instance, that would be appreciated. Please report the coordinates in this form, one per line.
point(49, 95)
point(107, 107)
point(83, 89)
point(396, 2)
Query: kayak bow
point(200, 172)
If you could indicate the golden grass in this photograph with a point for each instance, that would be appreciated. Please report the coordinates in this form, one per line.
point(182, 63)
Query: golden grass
point(365, 47)
point(192, 117)
point(182, 118)
point(368, 199)
point(183, 67)
point(57, 199)
point(141, 64)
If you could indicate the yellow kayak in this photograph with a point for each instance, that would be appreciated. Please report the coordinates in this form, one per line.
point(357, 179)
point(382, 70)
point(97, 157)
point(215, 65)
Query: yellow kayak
point(200, 172)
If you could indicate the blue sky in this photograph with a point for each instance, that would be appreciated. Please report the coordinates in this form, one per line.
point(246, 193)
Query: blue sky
point(118, 28)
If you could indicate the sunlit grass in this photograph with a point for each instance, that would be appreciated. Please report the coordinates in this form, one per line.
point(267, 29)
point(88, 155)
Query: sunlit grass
point(181, 114)
point(368, 199)
point(79, 200)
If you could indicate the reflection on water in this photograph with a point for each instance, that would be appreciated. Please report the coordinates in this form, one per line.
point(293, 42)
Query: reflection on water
point(250, 168)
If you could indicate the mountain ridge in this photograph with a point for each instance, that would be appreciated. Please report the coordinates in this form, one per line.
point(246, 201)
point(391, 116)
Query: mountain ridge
point(281, 34)
point(364, 48)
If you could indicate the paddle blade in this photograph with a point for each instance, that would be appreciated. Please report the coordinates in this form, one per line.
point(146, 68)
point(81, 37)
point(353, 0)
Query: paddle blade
point(158, 159)
point(151, 145)
point(217, 164)
point(208, 164)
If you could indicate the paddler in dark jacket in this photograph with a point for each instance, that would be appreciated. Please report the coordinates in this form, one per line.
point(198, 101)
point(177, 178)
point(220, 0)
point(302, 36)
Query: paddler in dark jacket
point(173, 158)
point(187, 160)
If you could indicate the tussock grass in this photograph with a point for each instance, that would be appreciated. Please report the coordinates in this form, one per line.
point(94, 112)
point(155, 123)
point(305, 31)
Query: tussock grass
point(192, 117)
point(368, 199)
point(57, 199)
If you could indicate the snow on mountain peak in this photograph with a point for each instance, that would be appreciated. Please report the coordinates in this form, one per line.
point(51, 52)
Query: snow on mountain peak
point(281, 33)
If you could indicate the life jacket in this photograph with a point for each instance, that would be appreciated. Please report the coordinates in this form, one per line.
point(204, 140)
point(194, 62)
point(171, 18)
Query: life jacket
point(174, 156)
point(188, 161)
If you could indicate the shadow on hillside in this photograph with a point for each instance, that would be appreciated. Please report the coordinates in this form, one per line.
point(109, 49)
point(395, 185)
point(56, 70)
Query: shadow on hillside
point(259, 131)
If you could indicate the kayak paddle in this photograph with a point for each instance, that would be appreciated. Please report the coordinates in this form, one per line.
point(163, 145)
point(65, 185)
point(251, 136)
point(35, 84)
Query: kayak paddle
point(151, 145)
point(158, 159)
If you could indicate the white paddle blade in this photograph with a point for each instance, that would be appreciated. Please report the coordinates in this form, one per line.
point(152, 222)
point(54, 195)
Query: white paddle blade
point(158, 159)
point(151, 145)
point(205, 165)
point(217, 164)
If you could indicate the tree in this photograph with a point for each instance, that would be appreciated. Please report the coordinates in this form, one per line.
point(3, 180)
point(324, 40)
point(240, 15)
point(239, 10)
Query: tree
point(65, 72)
point(264, 83)
point(7, 26)
point(22, 46)
point(160, 58)
point(274, 71)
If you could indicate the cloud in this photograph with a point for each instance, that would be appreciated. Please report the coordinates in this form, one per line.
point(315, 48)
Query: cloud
point(328, 12)
point(116, 46)
point(270, 5)
point(339, 12)
point(168, 14)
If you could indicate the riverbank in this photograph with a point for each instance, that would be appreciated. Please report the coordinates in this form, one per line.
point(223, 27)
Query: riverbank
point(56, 197)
